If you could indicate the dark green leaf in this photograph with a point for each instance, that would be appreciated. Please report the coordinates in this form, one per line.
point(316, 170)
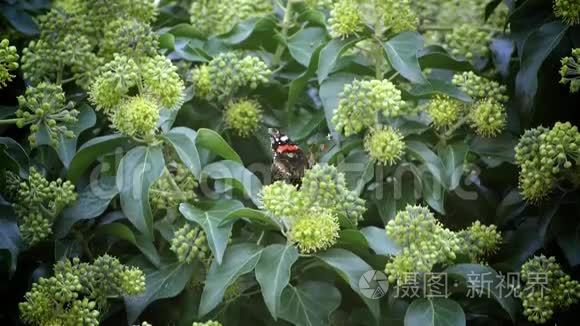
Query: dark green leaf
point(303, 44)
point(453, 156)
point(90, 151)
point(20, 20)
point(359, 170)
point(495, 151)
point(253, 216)
point(67, 147)
point(435, 56)
point(502, 50)
point(351, 268)
point(379, 242)
point(137, 171)
point(10, 240)
point(273, 273)
point(211, 140)
point(402, 51)
point(16, 154)
point(244, 30)
point(329, 91)
point(298, 85)
point(430, 161)
point(309, 304)
point(330, 54)
point(183, 141)
point(211, 221)
point(242, 178)
point(402, 191)
point(163, 283)
point(494, 290)
point(238, 260)
point(141, 242)
point(435, 86)
point(434, 312)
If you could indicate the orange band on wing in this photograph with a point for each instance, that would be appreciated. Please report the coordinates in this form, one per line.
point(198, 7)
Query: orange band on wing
point(286, 148)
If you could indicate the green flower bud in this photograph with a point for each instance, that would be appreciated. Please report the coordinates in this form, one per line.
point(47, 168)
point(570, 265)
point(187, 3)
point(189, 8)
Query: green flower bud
point(345, 19)
point(113, 83)
point(212, 17)
point(479, 241)
point(568, 11)
point(162, 82)
point(385, 145)
point(315, 230)
point(398, 15)
point(136, 117)
point(469, 41)
point(480, 88)
point(189, 243)
point(171, 190)
point(131, 38)
point(444, 111)
point(8, 62)
point(243, 117)
point(488, 118)
point(570, 71)
point(282, 200)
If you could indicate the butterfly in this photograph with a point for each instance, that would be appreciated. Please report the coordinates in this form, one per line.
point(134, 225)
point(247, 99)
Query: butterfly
point(289, 160)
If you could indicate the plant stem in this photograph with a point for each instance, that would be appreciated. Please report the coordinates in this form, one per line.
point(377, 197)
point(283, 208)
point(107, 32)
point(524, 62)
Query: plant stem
point(456, 126)
point(379, 59)
point(8, 121)
point(285, 26)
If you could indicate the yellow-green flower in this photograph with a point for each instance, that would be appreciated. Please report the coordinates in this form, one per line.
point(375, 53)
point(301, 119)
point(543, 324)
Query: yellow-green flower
point(282, 200)
point(568, 11)
point(136, 117)
point(8, 62)
point(243, 117)
point(444, 111)
point(570, 70)
point(345, 19)
point(384, 145)
point(315, 230)
point(488, 118)
point(190, 243)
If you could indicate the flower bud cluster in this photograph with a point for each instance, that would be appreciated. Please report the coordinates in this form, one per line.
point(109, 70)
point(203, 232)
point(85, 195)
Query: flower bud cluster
point(213, 17)
point(444, 111)
point(568, 11)
point(570, 70)
point(174, 188)
point(546, 288)
point(190, 243)
point(488, 118)
point(315, 229)
point(227, 73)
point(243, 117)
point(77, 291)
point(38, 202)
point(544, 156)
point(423, 240)
point(384, 145)
point(479, 241)
point(132, 38)
point(469, 41)
point(398, 15)
point(8, 62)
point(345, 19)
point(480, 88)
point(45, 107)
point(360, 103)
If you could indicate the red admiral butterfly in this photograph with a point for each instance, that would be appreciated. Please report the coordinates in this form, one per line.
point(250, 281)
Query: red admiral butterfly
point(289, 161)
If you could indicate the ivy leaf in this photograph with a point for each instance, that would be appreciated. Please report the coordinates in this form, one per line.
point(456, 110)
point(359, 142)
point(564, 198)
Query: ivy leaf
point(453, 157)
point(10, 240)
point(298, 85)
point(212, 141)
point(123, 232)
point(254, 216)
point(379, 242)
point(398, 194)
point(537, 47)
point(92, 201)
point(183, 141)
point(309, 304)
point(273, 273)
point(329, 91)
point(329, 55)
point(210, 220)
point(16, 153)
point(238, 260)
point(163, 283)
point(137, 171)
point(67, 147)
point(431, 161)
point(351, 268)
point(241, 177)
point(502, 50)
point(434, 312)
point(435, 56)
point(435, 86)
point(304, 43)
point(242, 31)
point(402, 51)
point(90, 151)
point(485, 274)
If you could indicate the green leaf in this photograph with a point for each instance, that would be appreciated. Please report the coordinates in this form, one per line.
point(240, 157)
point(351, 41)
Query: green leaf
point(399, 193)
point(212, 141)
point(434, 312)
point(402, 51)
point(90, 151)
point(568, 237)
point(298, 85)
point(304, 43)
point(351, 268)
point(183, 141)
point(485, 274)
point(254, 216)
point(273, 273)
point(495, 151)
point(352, 239)
point(163, 283)
point(379, 242)
point(16, 153)
point(358, 169)
point(241, 177)
point(245, 29)
point(10, 240)
point(92, 201)
point(537, 47)
point(137, 171)
point(210, 220)
point(238, 260)
point(435, 86)
point(329, 55)
point(67, 147)
point(123, 232)
point(453, 157)
point(430, 160)
point(329, 91)
point(435, 56)
point(309, 304)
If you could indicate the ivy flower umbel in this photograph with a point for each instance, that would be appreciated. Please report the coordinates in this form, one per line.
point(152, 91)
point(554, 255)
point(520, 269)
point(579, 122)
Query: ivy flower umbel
point(568, 11)
point(570, 70)
point(291, 205)
point(136, 117)
point(468, 41)
point(190, 243)
point(444, 111)
point(243, 117)
point(114, 81)
point(8, 62)
point(479, 241)
point(360, 103)
point(213, 17)
point(315, 229)
point(132, 38)
point(488, 117)
point(480, 87)
point(45, 107)
point(173, 188)
point(398, 16)
point(384, 145)
point(345, 19)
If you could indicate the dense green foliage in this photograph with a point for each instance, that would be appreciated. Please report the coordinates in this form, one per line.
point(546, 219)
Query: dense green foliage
point(441, 137)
